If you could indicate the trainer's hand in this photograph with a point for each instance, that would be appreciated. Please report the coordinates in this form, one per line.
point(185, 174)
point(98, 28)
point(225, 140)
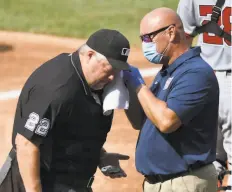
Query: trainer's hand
point(110, 166)
point(133, 78)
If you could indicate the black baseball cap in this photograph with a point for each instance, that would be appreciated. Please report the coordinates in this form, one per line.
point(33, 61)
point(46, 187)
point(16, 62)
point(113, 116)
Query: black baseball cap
point(113, 45)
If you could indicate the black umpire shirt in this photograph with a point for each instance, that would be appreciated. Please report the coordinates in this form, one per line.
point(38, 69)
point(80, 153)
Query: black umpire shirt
point(58, 112)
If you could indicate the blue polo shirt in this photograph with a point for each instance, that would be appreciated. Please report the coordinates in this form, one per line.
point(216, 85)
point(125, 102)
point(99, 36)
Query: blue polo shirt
point(190, 89)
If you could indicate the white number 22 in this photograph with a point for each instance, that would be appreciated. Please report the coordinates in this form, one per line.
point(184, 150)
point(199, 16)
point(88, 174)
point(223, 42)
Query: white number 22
point(43, 126)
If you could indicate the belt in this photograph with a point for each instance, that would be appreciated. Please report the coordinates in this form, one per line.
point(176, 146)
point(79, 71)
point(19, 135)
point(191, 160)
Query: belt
point(152, 179)
point(227, 71)
point(224, 188)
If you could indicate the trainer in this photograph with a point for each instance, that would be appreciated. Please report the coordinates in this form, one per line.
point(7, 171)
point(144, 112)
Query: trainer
point(177, 142)
point(59, 127)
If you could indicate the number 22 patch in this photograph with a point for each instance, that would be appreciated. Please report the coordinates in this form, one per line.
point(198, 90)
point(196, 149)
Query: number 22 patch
point(43, 126)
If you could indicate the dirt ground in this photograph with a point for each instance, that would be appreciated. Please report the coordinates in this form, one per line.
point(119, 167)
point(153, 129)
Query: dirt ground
point(20, 54)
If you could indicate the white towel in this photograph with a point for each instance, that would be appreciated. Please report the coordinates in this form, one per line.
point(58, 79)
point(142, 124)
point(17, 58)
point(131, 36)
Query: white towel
point(115, 95)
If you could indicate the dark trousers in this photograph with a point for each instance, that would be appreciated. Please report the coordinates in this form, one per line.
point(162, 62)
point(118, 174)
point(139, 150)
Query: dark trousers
point(13, 182)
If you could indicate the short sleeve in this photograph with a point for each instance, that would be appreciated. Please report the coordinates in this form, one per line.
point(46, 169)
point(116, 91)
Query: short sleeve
point(36, 114)
point(187, 13)
point(189, 95)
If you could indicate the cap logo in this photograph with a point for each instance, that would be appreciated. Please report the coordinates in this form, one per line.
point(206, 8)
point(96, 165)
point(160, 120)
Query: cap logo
point(125, 51)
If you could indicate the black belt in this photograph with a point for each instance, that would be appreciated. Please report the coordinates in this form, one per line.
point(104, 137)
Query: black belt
point(227, 71)
point(224, 188)
point(152, 179)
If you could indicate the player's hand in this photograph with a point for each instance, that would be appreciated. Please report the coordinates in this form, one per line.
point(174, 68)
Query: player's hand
point(110, 166)
point(133, 78)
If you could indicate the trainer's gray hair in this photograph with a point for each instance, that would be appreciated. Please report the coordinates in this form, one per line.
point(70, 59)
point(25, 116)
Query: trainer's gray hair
point(85, 48)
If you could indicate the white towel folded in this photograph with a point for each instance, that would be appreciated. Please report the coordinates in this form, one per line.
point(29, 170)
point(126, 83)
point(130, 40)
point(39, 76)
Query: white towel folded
point(115, 95)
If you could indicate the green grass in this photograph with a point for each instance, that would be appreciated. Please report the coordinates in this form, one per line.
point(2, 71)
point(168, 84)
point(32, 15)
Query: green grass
point(77, 18)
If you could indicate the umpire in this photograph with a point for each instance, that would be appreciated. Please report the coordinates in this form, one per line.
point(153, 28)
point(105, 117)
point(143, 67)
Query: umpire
point(177, 142)
point(59, 127)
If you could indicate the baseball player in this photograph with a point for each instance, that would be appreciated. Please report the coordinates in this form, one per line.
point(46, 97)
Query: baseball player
point(212, 21)
point(59, 127)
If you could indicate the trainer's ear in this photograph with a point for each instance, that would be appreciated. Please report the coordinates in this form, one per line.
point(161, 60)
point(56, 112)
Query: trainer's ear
point(172, 33)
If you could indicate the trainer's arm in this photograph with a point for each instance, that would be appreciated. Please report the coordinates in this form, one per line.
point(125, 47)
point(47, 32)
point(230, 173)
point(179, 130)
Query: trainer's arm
point(186, 100)
point(28, 157)
point(157, 111)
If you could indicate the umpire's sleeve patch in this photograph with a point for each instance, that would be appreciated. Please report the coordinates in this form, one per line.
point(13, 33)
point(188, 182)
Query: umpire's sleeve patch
point(32, 121)
point(43, 127)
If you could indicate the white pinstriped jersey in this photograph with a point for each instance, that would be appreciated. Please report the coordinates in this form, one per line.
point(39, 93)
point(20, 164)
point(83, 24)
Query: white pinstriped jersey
point(215, 50)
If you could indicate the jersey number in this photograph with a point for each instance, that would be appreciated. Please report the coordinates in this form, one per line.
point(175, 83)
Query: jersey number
point(43, 126)
point(32, 121)
point(224, 20)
